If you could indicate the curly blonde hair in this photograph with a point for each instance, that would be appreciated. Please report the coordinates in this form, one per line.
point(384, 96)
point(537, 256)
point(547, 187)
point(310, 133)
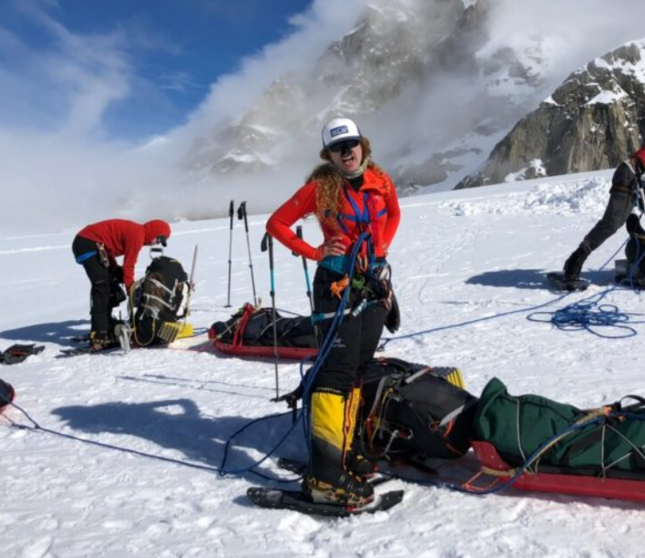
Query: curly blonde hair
point(330, 181)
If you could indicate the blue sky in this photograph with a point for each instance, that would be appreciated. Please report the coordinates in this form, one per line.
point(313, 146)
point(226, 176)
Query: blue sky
point(125, 69)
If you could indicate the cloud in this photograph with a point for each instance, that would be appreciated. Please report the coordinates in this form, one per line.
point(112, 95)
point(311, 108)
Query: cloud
point(56, 151)
point(571, 32)
point(72, 79)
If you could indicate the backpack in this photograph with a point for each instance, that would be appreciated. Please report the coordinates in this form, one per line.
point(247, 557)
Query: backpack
point(158, 301)
point(414, 410)
point(252, 326)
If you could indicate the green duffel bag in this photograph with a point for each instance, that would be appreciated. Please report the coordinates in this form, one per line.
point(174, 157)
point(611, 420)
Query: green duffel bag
point(609, 441)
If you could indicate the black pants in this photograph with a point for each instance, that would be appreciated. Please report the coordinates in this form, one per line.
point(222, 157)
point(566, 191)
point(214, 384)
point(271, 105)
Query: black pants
point(635, 252)
point(102, 283)
point(356, 340)
point(619, 207)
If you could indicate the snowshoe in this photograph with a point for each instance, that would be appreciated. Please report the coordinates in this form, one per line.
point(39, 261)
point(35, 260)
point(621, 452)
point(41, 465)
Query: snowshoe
point(76, 351)
point(295, 500)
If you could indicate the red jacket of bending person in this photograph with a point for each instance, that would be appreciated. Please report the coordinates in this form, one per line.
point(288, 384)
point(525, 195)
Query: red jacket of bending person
point(121, 237)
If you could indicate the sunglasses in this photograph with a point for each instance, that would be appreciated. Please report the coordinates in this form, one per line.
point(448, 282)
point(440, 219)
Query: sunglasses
point(342, 145)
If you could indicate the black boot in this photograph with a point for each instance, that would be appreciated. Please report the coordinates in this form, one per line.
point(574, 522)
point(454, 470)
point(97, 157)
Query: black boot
point(328, 479)
point(573, 265)
point(101, 340)
point(360, 465)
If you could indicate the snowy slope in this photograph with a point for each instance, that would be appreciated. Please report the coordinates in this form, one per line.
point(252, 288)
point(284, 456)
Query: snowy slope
point(458, 256)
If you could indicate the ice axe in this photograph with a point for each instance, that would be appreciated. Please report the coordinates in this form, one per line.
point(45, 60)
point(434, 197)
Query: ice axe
point(241, 214)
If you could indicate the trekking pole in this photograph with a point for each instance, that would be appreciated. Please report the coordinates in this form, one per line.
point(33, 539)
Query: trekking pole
point(231, 212)
point(267, 244)
point(191, 284)
point(306, 269)
point(241, 214)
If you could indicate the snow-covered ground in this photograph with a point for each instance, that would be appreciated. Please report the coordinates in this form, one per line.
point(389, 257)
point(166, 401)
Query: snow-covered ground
point(458, 256)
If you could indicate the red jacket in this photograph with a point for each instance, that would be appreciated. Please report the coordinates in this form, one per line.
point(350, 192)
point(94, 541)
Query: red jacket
point(376, 198)
point(125, 238)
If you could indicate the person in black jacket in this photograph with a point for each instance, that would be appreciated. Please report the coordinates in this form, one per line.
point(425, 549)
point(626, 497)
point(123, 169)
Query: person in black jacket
point(622, 199)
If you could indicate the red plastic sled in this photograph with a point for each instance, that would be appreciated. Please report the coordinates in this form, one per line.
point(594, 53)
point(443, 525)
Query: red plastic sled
point(251, 351)
point(579, 485)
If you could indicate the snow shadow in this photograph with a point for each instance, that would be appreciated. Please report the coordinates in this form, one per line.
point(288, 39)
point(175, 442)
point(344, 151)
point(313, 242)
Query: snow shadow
point(53, 332)
point(516, 278)
point(177, 424)
point(605, 277)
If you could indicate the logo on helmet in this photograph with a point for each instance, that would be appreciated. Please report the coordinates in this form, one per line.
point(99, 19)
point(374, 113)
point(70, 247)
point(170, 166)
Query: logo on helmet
point(339, 130)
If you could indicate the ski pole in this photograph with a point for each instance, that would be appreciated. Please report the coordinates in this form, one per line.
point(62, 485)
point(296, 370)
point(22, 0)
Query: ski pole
point(241, 214)
point(191, 284)
point(231, 212)
point(267, 244)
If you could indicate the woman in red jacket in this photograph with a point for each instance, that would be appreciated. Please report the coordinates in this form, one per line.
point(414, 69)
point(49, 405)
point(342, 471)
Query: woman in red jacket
point(349, 195)
point(95, 248)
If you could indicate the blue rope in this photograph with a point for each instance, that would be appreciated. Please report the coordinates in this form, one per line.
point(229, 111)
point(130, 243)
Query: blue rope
point(574, 317)
point(37, 427)
point(588, 314)
point(304, 413)
point(470, 322)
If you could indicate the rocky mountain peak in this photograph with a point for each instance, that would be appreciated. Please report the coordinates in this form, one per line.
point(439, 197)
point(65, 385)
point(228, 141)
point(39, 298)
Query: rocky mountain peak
point(592, 121)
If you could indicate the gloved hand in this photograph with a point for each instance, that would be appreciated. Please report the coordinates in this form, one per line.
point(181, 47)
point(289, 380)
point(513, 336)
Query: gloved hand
point(393, 320)
point(381, 285)
point(633, 225)
point(116, 273)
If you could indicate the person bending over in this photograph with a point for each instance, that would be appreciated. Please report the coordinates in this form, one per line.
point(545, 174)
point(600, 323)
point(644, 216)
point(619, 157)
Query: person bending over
point(96, 248)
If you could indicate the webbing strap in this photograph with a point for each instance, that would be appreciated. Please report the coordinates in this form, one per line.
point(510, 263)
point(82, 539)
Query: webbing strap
point(321, 317)
point(86, 256)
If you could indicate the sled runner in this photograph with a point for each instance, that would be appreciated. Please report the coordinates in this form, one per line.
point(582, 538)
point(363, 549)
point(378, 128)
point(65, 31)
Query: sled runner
point(548, 446)
point(256, 351)
point(558, 283)
point(579, 485)
point(249, 333)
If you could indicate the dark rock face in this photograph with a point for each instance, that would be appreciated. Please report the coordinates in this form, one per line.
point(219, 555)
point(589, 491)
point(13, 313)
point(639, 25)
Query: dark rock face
point(438, 92)
point(594, 120)
point(390, 48)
